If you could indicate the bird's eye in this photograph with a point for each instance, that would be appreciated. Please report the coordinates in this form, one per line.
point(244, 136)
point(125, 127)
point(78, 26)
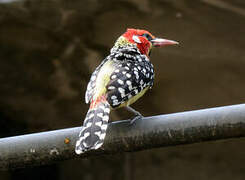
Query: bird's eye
point(148, 36)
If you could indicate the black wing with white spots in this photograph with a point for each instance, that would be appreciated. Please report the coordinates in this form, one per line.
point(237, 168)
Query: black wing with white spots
point(132, 74)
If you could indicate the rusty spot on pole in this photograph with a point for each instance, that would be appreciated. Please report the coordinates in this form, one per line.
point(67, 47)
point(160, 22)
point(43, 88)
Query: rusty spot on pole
point(67, 141)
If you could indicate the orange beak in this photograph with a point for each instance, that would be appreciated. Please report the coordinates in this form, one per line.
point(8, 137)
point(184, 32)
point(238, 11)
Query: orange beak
point(158, 42)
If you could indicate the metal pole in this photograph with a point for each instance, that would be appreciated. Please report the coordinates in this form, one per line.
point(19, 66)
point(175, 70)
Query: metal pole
point(149, 132)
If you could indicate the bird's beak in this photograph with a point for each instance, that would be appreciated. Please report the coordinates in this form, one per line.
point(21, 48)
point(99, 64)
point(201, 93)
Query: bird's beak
point(158, 42)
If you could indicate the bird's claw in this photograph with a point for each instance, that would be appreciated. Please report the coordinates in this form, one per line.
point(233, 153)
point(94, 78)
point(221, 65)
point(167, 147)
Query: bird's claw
point(135, 118)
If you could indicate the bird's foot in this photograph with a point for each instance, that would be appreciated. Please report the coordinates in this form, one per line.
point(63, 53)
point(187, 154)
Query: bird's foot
point(136, 113)
point(135, 118)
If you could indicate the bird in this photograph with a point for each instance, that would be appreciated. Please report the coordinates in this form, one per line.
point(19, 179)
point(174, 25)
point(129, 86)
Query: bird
point(120, 79)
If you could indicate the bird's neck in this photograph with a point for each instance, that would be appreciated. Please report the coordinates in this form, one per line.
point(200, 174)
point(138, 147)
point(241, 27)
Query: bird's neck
point(123, 44)
point(125, 53)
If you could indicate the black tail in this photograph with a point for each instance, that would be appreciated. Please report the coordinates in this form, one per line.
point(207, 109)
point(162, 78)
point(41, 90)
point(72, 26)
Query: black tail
point(94, 128)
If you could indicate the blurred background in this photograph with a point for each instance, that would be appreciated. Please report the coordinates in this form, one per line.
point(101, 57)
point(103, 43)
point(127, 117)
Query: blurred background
point(49, 48)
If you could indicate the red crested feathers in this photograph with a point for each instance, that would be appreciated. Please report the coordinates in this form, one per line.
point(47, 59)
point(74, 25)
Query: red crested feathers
point(145, 44)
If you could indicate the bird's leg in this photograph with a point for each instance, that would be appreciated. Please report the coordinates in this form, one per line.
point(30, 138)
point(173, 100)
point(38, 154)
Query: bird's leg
point(136, 113)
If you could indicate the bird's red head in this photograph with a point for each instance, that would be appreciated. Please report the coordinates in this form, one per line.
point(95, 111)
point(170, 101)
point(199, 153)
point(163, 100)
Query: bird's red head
point(145, 40)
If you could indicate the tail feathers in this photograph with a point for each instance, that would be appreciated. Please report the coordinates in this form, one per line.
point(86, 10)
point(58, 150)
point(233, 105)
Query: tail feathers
point(94, 128)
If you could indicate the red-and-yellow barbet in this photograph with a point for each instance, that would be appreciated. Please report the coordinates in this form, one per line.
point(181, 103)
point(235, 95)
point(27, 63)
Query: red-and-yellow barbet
point(122, 78)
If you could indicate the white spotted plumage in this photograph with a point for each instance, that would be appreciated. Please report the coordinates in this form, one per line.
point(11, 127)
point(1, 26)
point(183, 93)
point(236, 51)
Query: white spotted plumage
point(114, 76)
point(111, 87)
point(128, 75)
point(120, 81)
point(93, 138)
point(121, 77)
point(113, 97)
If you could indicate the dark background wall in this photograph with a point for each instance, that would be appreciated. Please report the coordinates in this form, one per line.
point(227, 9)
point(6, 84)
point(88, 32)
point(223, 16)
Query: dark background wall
point(48, 50)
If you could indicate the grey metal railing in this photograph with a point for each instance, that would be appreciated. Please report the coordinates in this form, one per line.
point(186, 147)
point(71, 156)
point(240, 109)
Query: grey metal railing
point(124, 136)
